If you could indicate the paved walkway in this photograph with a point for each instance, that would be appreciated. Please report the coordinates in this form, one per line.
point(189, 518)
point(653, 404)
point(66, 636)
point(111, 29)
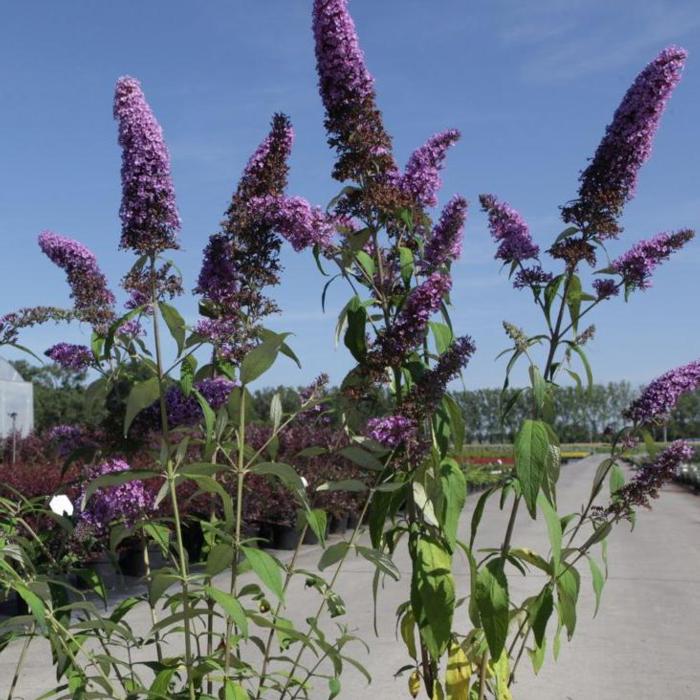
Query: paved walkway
point(644, 644)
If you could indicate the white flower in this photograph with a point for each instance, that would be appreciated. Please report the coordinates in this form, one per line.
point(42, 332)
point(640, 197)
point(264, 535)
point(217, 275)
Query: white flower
point(304, 481)
point(61, 505)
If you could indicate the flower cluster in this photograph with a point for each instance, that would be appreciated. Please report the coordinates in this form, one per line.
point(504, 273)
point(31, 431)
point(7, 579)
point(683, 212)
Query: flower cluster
point(300, 223)
point(149, 216)
point(610, 179)
point(421, 178)
point(316, 409)
point(660, 397)
point(183, 411)
point(70, 356)
point(392, 431)
point(445, 243)
point(127, 502)
point(605, 288)
point(649, 479)
point(532, 277)
point(410, 326)
point(353, 121)
point(68, 438)
point(428, 391)
point(509, 229)
point(637, 264)
point(12, 323)
point(243, 257)
point(92, 299)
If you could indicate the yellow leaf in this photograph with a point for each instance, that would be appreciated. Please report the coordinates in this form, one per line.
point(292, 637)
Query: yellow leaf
point(414, 684)
point(459, 670)
point(501, 671)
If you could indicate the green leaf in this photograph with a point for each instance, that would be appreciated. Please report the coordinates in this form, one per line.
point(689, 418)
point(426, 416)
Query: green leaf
point(141, 396)
point(478, 513)
point(406, 264)
point(568, 585)
point(284, 472)
point(260, 358)
point(554, 530)
point(550, 294)
point(539, 612)
point(538, 387)
point(407, 628)
point(188, 367)
point(233, 691)
point(366, 263)
point(433, 595)
point(175, 323)
point(317, 520)
point(231, 606)
point(333, 554)
point(586, 364)
point(454, 494)
point(276, 412)
point(598, 582)
point(617, 479)
point(355, 335)
point(219, 558)
point(333, 688)
point(267, 569)
point(456, 421)
point(492, 604)
point(573, 301)
point(361, 457)
point(380, 560)
point(531, 454)
point(600, 475)
point(35, 604)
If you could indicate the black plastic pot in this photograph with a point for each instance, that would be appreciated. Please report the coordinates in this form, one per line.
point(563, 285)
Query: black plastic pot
point(338, 525)
point(193, 540)
point(266, 535)
point(12, 604)
point(285, 537)
point(353, 520)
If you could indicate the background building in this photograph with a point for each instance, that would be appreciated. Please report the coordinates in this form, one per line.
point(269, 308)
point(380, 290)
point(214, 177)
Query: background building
point(16, 402)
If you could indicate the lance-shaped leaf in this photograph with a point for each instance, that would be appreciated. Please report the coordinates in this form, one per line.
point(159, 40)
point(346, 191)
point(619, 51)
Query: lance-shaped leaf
point(531, 455)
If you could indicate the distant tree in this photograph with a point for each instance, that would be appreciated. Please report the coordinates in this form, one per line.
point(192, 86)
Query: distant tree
point(59, 395)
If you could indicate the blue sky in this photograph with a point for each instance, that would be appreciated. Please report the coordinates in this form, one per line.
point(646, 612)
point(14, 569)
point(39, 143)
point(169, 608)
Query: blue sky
point(531, 85)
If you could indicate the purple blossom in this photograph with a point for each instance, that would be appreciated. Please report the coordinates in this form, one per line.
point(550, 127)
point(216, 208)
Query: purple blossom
point(226, 335)
point(300, 223)
point(218, 279)
point(392, 431)
point(70, 356)
point(91, 297)
point(649, 478)
point(13, 322)
point(150, 220)
point(421, 178)
point(510, 230)
point(183, 411)
point(445, 242)
point(128, 501)
point(611, 178)
point(637, 264)
point(660, 397)
point(428, 391)
point(532, 277)
point(410, 326)
point(605, 288)
point(347, 90)
point(68, 438)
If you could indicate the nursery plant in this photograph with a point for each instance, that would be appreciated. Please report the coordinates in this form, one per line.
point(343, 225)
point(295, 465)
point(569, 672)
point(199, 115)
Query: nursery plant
point(396, 255)
point(181, 397)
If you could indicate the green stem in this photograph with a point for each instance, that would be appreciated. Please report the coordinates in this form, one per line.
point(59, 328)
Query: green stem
point(170, 475)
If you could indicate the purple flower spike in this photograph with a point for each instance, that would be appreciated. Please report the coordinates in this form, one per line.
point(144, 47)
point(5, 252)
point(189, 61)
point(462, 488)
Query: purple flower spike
point(532, 277)
point(660, 397)
point(510, 230)
point(353, 121)
point(609, 182)
point(637, 264)
point(605, 288)
point(91, 297)
point(412, 322)
point(445, 243)
point(392, 431)
point(69, 356)
point(300, 223)
point(421, 178)
point(150, 220)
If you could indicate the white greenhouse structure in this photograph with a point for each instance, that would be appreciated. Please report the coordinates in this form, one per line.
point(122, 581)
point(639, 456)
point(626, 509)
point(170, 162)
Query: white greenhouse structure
point(16, 402)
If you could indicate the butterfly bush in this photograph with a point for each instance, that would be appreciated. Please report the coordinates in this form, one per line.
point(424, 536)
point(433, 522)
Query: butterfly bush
point(509, 229)
point(444, 245)
point(611, 178)
point(150, 220)
point(660, 397)
point(70, 356)
point(392, 431)
point(92, 299)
